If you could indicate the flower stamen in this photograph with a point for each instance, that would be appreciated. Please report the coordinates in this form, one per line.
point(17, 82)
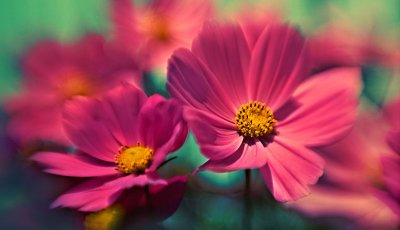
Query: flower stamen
point(133, 159)
point(255, 120)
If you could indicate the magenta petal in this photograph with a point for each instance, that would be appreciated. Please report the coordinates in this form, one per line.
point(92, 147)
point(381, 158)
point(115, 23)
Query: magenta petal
point(277, 65)
point(224, 50)
point(246, 157)
point(72, 165)
point(166, 198)
point(327, 108)
point(193, 84)
point(157, 120)
point(391, 174)
point(121, 112)
point(85, 126)
point(392, 113)
point(99, 193)
point(162, 127)
point(291, 168)
point(89, 196)
point(217, 138)
point(133, 180)
point(100, 126)
point(393, 140)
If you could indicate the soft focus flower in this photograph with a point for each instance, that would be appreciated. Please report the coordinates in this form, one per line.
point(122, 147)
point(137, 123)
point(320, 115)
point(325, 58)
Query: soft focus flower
point(153, 30)
point(121, 139)
point(253, 109)
point(54, 73)
point(333, 46)
point(362, 175)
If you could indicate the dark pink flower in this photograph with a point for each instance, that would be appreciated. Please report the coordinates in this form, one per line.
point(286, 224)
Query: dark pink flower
point(153, 30)
point(361, 178)
point(121, 139)
point(251, 108)
point(54, 73)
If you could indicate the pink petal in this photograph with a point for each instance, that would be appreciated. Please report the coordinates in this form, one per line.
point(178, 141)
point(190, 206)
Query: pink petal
point(327, 109)
point(364, 208)
point(392, 113)
point(217, 138)
point(157, 120)
point(277, 65)
point(37, 124)
point(246, 157)
point(393, 140)
point(193, 84)
point(391, 174)
point(83, 120)
point(133, 180)
point(290, 169)
point(224, 50)
point(43, 60)
point(123, 17)
point(162, 127)
point(99, 193)
point(99, 127)
point(121, 111)
point(89, 196)
point(72, 165)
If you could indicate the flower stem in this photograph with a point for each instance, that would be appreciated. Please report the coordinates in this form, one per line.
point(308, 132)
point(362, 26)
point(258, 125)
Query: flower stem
point(247, 200)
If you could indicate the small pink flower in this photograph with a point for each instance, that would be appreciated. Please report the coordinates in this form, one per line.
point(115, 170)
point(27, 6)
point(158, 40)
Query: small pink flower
point(54, 73)
point(361, 178)
point(121, 139)
point(251, 108)
point(155, 29)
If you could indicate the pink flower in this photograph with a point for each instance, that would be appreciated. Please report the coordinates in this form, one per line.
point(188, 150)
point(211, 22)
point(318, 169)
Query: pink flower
point(121, 139)
point(54, 73)
point(251, 108)
point(333, 46)
point(155, 29)
point(361, 178)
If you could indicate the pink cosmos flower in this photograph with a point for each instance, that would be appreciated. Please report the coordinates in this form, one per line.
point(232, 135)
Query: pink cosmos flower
point(54, 73)
point(121, 139)
point(251, 108)
point(334, 46)
point(361, 178)
point(155, 29)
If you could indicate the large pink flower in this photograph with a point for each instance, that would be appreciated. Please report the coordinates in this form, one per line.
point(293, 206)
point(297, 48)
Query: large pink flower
point(153, 30)
point(252, 108)
point(361, 178)
point(54, 73)
point(121, 139)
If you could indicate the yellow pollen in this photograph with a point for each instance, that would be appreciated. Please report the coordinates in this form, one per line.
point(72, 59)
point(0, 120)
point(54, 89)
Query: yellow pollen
point(255, 120)
point(133, 159)
point(106, 219)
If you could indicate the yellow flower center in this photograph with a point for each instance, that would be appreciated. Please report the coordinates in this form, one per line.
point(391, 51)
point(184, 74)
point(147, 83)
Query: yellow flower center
point(133, 159)
point(255, 120)
point(77, 84)
point(105, 219)
point(156, 27)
